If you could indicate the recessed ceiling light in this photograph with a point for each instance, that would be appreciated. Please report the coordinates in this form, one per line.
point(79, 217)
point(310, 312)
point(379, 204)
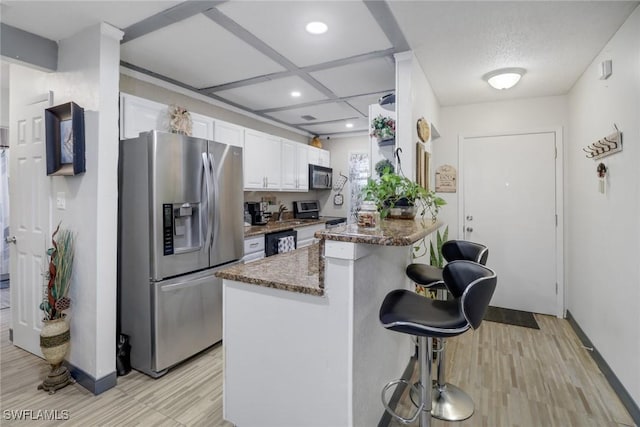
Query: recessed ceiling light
point(295, 94)
point(349, 125)
point(504, 78)
point(316, 27)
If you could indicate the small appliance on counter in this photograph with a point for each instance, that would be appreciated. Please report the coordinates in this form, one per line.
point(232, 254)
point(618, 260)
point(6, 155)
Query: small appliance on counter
point(257, 212)
point(310, 209)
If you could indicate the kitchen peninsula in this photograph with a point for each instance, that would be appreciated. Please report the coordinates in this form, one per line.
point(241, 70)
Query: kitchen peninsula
point(302, 340)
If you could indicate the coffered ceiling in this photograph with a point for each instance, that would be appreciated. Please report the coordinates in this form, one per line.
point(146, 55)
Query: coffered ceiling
point(254, 54)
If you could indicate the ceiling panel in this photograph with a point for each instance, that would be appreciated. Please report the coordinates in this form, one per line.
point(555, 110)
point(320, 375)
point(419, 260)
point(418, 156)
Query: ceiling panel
point(338, 127)
point(57, 20)
point(272, 93)
point(198, 52)
point(456, 43)
point(362, 77)
point(361, 103)
point(321, 112)
point(281, 24)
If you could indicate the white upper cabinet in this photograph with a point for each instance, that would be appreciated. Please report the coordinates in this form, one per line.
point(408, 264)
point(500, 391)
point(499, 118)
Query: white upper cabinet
point(201, 126)
point(262, 161)
point(318, 156)
point(228, 133)
point(295, 166)
point(141, 115)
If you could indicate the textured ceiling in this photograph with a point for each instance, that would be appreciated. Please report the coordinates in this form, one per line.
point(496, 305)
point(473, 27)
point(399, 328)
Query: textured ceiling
point(253, 54)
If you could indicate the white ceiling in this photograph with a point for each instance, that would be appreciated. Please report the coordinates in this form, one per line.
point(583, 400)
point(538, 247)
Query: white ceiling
point(252, 54)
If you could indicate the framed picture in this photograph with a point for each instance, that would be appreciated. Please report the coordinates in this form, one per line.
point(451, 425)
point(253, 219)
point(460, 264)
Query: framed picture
point(65, 139)
point(423, 158)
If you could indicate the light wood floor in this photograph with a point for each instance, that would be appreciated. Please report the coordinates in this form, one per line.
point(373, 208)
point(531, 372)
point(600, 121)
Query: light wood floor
point(529, 378)
point(516, 376)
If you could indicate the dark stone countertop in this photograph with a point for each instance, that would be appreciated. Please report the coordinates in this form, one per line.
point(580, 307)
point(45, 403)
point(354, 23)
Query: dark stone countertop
point(392, 232)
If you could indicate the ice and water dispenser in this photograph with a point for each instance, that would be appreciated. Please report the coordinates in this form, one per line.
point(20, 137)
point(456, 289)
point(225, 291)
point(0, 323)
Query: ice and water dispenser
point(181, 227)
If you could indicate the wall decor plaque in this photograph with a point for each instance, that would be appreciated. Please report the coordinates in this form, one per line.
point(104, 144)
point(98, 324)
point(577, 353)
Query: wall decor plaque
point(424, 130)
point(446, 179)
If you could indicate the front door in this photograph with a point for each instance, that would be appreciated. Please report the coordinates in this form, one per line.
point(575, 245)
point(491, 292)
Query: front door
point(30, 190)
point(509, 205)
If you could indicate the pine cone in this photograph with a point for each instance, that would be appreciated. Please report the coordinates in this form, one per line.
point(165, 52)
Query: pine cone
point(63, 304)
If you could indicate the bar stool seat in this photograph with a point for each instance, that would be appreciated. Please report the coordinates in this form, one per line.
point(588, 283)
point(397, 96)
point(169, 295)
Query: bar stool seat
point(403, 311)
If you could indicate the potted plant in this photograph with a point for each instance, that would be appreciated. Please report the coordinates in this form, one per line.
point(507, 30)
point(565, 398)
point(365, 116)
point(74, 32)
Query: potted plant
point(382, 165)
point(396, 196)
point(55, 334)
point(383, 128)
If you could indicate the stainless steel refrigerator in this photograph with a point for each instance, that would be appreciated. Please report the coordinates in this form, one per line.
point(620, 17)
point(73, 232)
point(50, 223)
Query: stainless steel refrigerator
point(180, 217)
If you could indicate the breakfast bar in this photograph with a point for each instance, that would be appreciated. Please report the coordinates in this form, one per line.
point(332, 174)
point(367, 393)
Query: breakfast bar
point(301, 335)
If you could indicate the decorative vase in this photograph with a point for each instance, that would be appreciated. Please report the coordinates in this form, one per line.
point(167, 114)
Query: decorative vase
point(54, 343)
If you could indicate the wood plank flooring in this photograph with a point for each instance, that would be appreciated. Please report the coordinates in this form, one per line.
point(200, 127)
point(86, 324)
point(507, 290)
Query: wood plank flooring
point(524, 377)
point(517, 377)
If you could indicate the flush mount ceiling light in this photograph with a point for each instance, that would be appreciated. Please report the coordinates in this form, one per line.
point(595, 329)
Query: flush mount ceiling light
point(316, 27)
point(349, 125)
point(295, 94)
point(504, 78)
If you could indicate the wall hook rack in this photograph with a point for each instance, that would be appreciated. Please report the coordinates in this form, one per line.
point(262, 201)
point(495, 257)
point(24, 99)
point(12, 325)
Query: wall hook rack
point(606, 146)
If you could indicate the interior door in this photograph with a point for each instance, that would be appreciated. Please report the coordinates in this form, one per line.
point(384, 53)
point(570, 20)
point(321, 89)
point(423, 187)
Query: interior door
point(30, 190)
point(509, 191)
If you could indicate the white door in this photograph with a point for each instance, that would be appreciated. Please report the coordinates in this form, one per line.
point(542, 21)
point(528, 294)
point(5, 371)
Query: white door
point(30, 190)
point(509, 205)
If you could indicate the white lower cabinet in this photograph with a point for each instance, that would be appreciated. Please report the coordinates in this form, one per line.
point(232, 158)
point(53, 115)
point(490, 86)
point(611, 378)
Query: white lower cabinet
point(253, 248)
point(305, 234)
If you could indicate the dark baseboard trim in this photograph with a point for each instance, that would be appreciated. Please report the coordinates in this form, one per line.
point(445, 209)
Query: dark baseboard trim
point(385, 420)
point(611, 377)
point(87, 381)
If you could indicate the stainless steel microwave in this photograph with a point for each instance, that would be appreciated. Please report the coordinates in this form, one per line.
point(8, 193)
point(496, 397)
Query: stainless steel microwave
point(320, 178)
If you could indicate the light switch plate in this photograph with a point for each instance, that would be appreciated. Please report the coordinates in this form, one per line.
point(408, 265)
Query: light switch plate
point(61, 202)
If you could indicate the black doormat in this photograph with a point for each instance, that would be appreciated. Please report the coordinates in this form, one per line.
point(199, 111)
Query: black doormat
point(511, 317)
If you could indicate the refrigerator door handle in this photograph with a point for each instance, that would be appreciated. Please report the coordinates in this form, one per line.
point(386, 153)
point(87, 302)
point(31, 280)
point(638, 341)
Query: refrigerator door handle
point(208, 184)
point(216, 204)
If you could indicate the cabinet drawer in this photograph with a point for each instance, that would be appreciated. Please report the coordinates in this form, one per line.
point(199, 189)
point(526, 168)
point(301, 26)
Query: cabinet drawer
point(254, 244)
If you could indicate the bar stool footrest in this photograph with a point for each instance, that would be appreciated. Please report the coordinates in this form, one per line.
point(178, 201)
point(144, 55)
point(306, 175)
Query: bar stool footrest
point(415, 388)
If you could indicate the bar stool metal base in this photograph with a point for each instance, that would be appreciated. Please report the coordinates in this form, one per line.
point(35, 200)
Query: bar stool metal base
point(448, 402)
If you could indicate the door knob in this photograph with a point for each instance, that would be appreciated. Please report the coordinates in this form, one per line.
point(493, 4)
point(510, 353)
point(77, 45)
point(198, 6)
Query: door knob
point(10, 239)
point(469, 229)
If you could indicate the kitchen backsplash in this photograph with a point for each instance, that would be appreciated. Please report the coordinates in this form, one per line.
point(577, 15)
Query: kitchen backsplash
point(280, 197)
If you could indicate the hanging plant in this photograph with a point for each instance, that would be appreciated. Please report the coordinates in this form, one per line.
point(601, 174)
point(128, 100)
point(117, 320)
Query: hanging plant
point(383, 127)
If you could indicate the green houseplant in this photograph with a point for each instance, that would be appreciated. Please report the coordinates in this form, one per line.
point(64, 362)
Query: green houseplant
point(393, 192)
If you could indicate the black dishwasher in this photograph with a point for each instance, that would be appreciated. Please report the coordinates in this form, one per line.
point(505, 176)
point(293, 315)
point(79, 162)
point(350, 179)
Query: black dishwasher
point(271, 241)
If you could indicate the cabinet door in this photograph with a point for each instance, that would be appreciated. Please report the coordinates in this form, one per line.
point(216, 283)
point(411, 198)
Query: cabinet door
point(289, 165)
point(302, 161)
point(254, 163)
point(228, 133)
point(201, 126)
point(314, 155)
point(141, 115)
point(272, 161)
point(324, 158)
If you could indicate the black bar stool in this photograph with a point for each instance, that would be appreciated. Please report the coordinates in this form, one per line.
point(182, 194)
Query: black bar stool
point(406, 312)
point(449, 403)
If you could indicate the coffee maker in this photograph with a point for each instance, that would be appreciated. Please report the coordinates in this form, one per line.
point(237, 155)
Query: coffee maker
point(257, 211)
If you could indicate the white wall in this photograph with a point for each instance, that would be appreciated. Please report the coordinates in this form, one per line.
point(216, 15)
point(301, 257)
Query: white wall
point(88, 75)
point(415, 99)
point(340, 149)
point(603, 230)
point(4, 94)
point(493, 117)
